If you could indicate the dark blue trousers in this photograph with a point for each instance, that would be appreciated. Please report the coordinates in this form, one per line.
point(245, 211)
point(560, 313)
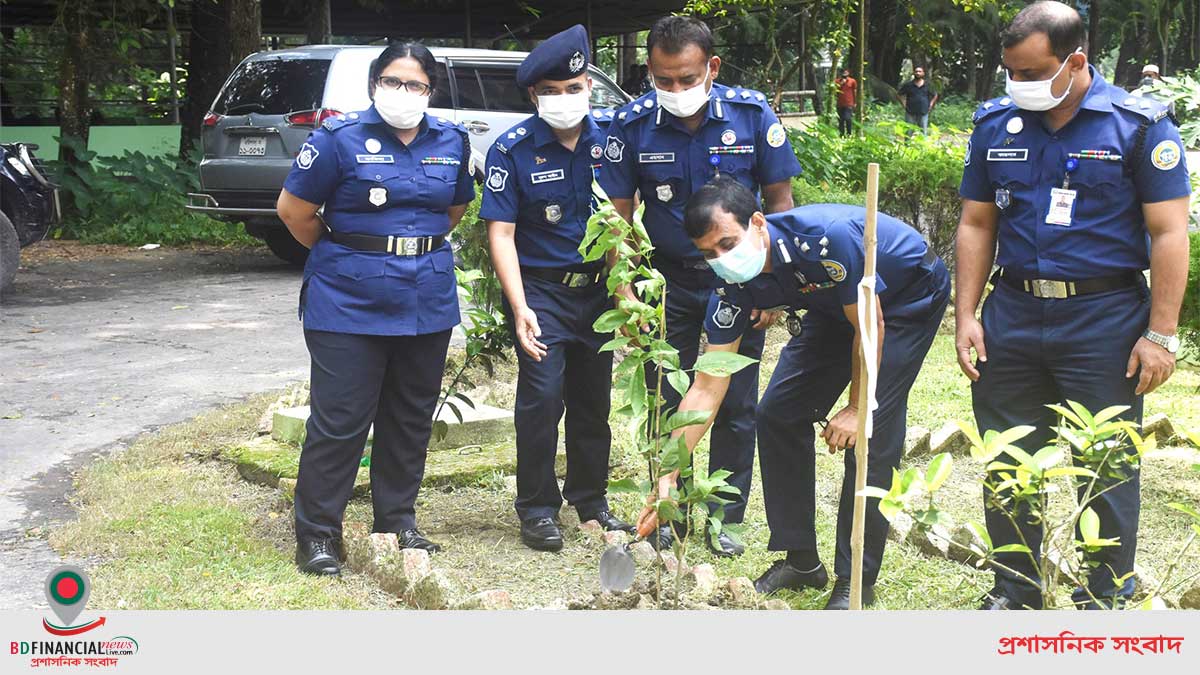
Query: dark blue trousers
point(572, 376)
point(813, 370)
point(391, 380)
point(731, 445)
point(1044, 351)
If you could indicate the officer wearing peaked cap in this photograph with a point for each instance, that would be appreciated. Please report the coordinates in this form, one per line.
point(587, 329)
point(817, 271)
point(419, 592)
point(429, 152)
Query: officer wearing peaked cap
point(1083, 186)
point(811, 257)
point(536, 203)
point(665, 146)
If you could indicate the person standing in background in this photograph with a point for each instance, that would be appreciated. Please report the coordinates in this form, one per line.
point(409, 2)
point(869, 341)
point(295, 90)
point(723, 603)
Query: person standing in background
point(918, 99)
point(847, 97)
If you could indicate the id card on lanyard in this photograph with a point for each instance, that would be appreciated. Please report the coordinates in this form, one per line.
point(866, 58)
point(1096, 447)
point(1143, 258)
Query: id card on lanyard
point(1062, 200)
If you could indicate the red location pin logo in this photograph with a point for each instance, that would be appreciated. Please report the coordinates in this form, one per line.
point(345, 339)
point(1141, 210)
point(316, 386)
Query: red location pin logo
point(67, 591)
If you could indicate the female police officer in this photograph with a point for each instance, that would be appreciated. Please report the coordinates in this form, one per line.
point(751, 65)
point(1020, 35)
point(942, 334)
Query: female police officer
point(379, 297)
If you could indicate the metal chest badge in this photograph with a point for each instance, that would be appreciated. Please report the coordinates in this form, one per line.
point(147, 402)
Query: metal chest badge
point(377, 196)
point(553, 213)
point(664, 192)
point(1003, 198)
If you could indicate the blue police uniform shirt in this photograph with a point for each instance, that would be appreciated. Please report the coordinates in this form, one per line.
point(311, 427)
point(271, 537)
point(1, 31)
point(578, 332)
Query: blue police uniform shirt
point(371, 183)
point(650, 149)
point(1014, 161)
point(545, 189)
point(817, 261)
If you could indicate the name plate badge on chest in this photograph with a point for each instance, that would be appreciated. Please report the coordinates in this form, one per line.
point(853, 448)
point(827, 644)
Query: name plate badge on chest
point(1008, 154)
point(656, 157)
point(377, 196)
point(375, 159)
point(546, 176)
point(1062, 206)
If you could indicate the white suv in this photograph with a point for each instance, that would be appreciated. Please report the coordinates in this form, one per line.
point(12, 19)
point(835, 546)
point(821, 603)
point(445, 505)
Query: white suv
point(272, 101)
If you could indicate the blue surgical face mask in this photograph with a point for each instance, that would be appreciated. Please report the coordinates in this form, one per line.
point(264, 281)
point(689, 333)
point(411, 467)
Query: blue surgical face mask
point(742, 262)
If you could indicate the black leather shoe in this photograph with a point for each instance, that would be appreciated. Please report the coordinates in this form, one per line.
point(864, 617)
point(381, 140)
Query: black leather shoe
point(662, 540)
point(318, 557)
point(840, 598)
point(609, 522)
point(413, 538)
point(541, 534)
point(994, 601)
point(781, 574)
point(726, 547)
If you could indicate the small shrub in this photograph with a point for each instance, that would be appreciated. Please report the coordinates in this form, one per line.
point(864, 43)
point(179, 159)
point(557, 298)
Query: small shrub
point(135, 199)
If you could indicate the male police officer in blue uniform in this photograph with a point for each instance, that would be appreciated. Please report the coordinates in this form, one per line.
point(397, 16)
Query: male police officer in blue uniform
point(812, 257)
point(667, 145)
point(1084, 186)
point(537, 204)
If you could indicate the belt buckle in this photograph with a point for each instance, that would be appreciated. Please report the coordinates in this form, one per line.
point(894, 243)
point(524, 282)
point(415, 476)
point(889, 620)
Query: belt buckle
point(411, 246)
point(1048, 288)
point(577, 279)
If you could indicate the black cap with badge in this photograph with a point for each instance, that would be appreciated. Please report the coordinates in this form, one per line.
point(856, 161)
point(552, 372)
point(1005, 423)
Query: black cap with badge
point(561, 56)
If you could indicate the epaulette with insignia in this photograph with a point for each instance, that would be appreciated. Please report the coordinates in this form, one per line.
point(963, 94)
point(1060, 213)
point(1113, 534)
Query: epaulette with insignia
point(339, 121)
point(990, 108)
point(748, 96)
point(1144, 107)
point(603, 117)
point(514, 135)
point(636, 109)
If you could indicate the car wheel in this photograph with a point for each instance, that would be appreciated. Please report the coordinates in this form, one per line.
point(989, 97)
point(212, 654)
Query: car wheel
point(10, 254)
point(285, 247)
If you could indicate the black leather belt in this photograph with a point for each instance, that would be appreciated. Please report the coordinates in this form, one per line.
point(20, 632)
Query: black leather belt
point(1049, 288)
point(403, 246)
point(565, 277)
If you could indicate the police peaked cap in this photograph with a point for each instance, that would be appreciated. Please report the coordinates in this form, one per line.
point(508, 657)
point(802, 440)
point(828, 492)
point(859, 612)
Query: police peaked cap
point(561, 56)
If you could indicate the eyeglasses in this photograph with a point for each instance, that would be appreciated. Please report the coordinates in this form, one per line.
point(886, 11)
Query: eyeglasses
point(412, 86)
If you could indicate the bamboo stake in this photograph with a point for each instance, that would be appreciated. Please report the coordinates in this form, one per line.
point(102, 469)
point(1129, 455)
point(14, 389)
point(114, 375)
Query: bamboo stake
point(867, 328)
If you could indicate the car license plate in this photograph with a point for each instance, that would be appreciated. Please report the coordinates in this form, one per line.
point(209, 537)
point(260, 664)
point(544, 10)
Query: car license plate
point(253, 145)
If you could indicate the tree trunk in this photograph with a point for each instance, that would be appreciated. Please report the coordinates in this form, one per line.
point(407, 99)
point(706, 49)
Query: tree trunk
point(74, 103)
point(970, 60)
point(245, 29)
point(208, 66)
point(320, 23)
point(1094, 46)
point(991, 61)
point(887, 22)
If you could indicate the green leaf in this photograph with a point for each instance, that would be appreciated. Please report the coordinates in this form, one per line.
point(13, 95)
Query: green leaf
point(1070, 471)
point(684, 418)
point(1184, 508)
point(1089, 525)
point(679, 381)
point(619, 342)
point(609, 321)
point(624, 485)
point(722, 364)
point(981, 532)
point(1011, 548)
point(938, 471)
point(889, 508)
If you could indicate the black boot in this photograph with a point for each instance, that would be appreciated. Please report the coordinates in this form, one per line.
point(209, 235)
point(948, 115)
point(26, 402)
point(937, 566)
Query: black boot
point(318, 557)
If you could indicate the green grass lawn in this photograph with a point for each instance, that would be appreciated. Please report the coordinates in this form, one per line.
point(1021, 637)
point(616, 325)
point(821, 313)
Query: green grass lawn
point(166, 525)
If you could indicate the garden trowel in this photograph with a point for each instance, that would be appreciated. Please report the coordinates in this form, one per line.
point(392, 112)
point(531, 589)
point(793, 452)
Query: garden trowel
point(616, 569)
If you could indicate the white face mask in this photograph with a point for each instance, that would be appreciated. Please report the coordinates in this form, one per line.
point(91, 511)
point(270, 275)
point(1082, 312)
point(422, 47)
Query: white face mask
point(743, 262)
point(563, 111)
point(399, 108)
point(687, 102)
point(1038, 95)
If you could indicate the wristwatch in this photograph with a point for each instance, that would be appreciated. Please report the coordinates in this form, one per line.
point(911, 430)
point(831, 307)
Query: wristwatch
point(1167, 342)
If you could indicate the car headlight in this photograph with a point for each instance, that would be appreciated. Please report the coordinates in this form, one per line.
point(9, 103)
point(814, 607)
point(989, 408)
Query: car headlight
point(18, 165)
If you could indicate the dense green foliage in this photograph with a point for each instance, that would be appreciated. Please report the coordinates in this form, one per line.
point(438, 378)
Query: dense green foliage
point(135, 199)
point(918, 178)
point(1189, 315)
